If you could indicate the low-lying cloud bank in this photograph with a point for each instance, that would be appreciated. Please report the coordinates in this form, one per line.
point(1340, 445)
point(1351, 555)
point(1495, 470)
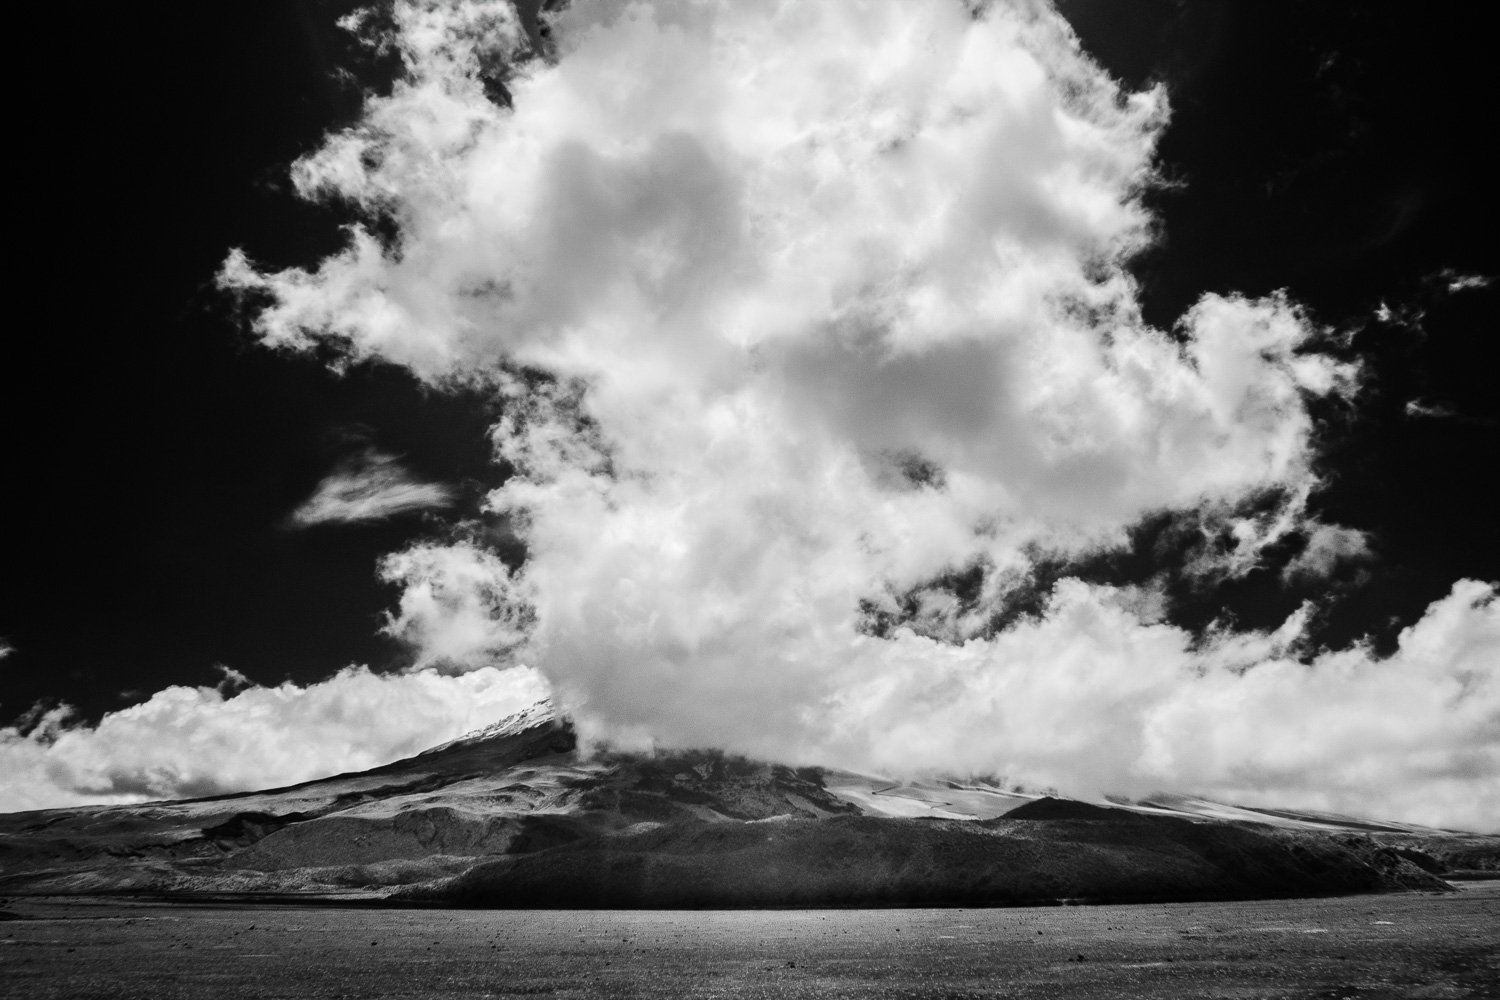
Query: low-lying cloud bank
point(1093, 698)
point(798, 312)
point(191, 741)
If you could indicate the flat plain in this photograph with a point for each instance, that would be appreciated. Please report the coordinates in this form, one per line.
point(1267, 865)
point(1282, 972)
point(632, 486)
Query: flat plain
point(1404, 945)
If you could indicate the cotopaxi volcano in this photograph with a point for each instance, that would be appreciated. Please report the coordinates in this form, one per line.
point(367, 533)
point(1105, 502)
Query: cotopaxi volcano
point(518, 815)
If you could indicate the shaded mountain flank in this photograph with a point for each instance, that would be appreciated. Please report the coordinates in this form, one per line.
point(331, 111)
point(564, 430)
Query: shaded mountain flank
point(516, 816)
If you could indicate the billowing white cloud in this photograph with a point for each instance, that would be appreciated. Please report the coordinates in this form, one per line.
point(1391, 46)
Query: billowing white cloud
point(368, 487)
point(460, 607)
point(1414, 737)
point(192, 741)
point(796, 308)
point(1092, 698)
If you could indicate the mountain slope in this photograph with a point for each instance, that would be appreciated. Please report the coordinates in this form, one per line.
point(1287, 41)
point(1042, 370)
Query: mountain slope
point(863, 860)
point(515, 815)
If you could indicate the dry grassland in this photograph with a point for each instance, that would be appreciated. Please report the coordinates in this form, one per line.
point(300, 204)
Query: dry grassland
point(1409, 945)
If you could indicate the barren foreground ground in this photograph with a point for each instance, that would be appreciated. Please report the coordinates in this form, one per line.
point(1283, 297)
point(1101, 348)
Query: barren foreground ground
point(1409, 945)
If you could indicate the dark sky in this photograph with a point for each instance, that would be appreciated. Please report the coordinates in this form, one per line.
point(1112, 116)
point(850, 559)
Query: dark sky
point(153, 450)
point(157, 450)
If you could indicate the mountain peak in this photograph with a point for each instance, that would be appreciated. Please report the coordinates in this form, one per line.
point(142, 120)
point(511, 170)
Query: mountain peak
point(539, 713)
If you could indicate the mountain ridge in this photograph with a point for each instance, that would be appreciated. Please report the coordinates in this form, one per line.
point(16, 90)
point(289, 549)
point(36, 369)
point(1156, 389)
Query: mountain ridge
point(515, 814)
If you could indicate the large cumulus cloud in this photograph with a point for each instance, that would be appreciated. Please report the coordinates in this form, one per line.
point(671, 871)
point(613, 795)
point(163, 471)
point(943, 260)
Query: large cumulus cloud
point(797, 310)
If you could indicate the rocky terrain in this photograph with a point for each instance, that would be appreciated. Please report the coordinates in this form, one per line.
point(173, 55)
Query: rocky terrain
point(515, 815)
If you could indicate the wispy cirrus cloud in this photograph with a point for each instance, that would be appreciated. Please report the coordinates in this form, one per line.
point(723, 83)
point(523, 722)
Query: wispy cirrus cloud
point(371, 486)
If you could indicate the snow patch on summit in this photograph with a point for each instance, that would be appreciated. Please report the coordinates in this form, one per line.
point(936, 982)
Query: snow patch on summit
point(512, 725)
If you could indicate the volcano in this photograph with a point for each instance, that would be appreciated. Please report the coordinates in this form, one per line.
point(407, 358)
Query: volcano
point(516, 815)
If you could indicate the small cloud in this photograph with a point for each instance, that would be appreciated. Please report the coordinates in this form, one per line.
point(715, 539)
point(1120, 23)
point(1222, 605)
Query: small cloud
point(460, 605)
point(1327, 546)
point(1421, 408)
point(1456, 281)
point(42, 721)
point(232, 680)
point(1403, 314)
point(6, 649)
point(369, 487)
